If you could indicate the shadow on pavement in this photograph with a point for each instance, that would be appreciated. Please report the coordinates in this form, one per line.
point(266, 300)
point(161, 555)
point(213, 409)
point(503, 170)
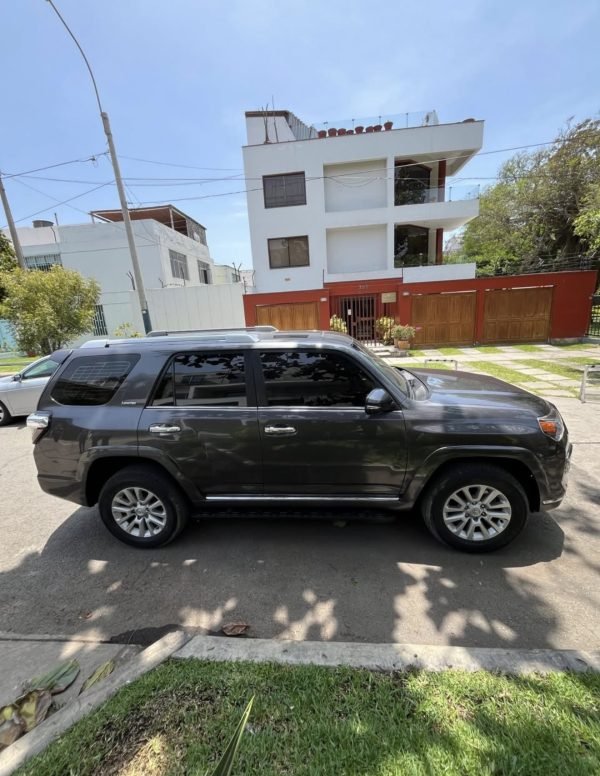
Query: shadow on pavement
point(288, 578)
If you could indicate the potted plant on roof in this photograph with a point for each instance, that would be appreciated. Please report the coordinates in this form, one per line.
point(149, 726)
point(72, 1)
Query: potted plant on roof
point(332, 131)
point(322, 133)
point(359, 129)
point(388, 125)
point(402, 335)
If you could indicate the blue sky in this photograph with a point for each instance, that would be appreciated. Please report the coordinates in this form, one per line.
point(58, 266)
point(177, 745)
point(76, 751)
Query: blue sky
point(177, 77)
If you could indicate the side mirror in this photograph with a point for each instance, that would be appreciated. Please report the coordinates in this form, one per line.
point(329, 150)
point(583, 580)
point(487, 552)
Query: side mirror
point(379, 401)
point(18, 377)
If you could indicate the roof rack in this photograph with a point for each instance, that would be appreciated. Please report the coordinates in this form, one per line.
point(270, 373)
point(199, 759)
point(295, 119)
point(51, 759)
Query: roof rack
point(179, 332)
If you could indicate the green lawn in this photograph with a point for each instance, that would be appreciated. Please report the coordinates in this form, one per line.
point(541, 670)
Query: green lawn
point(310, 721)
point(451, 351)
point(10, 365)
point(554, 367)
point(579, 346)
point(487, 349)
point(529, 348)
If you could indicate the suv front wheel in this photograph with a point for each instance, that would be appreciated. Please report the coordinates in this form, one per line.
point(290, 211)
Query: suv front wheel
point(142, 507)
point(475, 507)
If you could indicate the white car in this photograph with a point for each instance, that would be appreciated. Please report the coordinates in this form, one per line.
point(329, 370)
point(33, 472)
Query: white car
point(20, 393)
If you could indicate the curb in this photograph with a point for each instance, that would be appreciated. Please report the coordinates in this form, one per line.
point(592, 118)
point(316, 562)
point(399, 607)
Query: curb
point(390, 657)
point(38, 739)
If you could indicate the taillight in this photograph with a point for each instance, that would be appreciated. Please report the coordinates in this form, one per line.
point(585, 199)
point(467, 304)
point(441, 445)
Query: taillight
point(38, 422)
point(552, 426)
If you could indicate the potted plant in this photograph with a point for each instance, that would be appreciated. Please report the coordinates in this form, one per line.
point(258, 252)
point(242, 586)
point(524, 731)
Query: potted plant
point(377, 128)
point(322, 133)
point(369, 129)
point(359, 129)
point(383, 329)
point(350, 132)
point(341, 131)
point(332, 132)
point(402, 335)
point(388, 125)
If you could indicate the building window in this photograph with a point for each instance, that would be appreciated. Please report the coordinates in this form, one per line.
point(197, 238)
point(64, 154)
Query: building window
point(99, 323)
point(43, 261)
point(288, 252)
point(284, 190)
point(179, 265)
point(204, 272)
point(412, 184)
point(411, 246)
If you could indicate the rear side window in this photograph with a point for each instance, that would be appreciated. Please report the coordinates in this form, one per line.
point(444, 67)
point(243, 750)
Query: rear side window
point(203, 380)
point(92, 380)
point(313, 379)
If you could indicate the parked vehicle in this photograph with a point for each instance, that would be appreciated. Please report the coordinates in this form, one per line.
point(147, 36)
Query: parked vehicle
point(19, 393)
point(156, 429)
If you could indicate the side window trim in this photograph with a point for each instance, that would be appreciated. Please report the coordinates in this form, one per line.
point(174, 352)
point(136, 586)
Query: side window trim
point(261, 387)
point(249, 381)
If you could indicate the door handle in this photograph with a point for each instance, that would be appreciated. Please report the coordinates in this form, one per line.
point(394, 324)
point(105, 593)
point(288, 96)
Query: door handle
point(280, 430)
point(163, 428)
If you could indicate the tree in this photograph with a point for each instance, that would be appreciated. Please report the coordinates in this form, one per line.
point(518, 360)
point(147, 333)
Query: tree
point(534, 208)
point(587, 223)
point(8, 261)
point(48, 309)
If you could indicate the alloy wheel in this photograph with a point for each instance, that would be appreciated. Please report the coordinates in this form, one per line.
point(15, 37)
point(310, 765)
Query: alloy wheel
point(477, 513)
point(139, 512)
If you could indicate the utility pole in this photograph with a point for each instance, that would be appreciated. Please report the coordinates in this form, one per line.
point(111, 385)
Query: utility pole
point(137, 273)
point(11, 225)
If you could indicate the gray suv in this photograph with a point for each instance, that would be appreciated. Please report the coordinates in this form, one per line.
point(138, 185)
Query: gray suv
point(157, 429)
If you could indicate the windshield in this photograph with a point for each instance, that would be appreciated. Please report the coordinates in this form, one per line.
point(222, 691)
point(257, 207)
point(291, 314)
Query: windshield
point(409, 384)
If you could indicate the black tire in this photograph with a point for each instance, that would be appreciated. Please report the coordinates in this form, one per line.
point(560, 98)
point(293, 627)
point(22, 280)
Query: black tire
point(5, 416)
point(148, 479)
point(467, 475)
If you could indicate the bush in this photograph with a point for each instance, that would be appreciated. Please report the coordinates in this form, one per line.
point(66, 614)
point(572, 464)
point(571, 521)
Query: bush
point(383, 329)
point(338, 324)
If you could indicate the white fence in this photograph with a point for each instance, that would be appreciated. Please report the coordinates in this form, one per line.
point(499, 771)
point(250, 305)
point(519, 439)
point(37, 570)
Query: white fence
point(196, 307)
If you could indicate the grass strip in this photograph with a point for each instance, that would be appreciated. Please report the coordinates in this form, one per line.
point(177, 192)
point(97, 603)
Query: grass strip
point(313, 721)
point(499, 371)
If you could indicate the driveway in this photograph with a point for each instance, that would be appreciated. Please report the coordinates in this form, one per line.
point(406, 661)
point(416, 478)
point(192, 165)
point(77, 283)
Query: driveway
point(62, 573)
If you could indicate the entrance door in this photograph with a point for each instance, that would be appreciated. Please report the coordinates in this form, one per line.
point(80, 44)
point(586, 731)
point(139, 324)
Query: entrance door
point(316, 437)
point(360, 313)
point(301, 316)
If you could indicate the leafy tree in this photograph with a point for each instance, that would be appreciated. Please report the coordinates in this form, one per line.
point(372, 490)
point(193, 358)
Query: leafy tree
point(535, 209)
point(48, 309)
point(8, 261)
point(587, 223)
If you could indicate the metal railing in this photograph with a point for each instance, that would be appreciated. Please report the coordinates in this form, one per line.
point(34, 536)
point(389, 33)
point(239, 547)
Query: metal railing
point(536, 265)
point(423, 118)
point(594, 324)
point(436, 194)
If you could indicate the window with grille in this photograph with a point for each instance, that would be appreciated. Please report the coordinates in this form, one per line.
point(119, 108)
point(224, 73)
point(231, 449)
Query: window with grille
point(43, 261)
point(204, 272)
point(288, 252)
point(99, 322)
point(179, 265)
point(284, 190)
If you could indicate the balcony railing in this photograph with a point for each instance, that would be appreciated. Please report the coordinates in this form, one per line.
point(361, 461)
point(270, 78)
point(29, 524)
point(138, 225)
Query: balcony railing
point(423, 196)
point(423, 118)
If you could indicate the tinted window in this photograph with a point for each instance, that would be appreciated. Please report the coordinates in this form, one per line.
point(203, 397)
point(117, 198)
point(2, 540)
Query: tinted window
point(313, 379)
point(43, 369)
point(92, 380)
point(288, 252)
point(284, 190)
point(203, 379)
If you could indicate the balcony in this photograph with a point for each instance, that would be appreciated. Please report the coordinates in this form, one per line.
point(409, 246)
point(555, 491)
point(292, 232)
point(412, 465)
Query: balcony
point(418, 195)
point(385, 122)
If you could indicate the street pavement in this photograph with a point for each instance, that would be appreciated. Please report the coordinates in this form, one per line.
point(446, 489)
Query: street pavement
point(61, 572)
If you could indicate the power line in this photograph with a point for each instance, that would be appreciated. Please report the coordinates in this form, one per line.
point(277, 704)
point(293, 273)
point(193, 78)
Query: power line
point(186, 166)
point(64, 202)
point(91, 158)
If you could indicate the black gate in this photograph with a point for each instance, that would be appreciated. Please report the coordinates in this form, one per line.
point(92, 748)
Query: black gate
point(594, 326)
point(359, 313)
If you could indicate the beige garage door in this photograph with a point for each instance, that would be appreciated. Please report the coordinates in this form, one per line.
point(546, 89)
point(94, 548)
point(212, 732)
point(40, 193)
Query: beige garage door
point(444, 319)
point(517, 315)
point(295, 317)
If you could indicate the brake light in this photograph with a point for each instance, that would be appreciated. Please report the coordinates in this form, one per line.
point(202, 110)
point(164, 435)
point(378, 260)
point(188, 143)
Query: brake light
point(552, 426)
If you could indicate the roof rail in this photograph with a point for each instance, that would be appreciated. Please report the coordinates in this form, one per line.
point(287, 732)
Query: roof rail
point(179, 332)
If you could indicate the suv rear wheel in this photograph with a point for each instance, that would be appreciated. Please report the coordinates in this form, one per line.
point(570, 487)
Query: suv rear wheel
point(5, 416)
point(142, 507)
point(475, 507)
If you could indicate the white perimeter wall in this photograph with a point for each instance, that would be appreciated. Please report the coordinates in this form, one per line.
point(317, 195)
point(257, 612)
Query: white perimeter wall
point(196, 307)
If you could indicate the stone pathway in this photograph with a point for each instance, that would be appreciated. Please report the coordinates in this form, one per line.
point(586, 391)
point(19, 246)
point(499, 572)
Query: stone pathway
point(547, 377)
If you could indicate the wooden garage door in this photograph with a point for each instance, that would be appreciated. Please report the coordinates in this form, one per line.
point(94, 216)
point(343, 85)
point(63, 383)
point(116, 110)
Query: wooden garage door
point(302, 315)
point(444, 319)
point(517, 315)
